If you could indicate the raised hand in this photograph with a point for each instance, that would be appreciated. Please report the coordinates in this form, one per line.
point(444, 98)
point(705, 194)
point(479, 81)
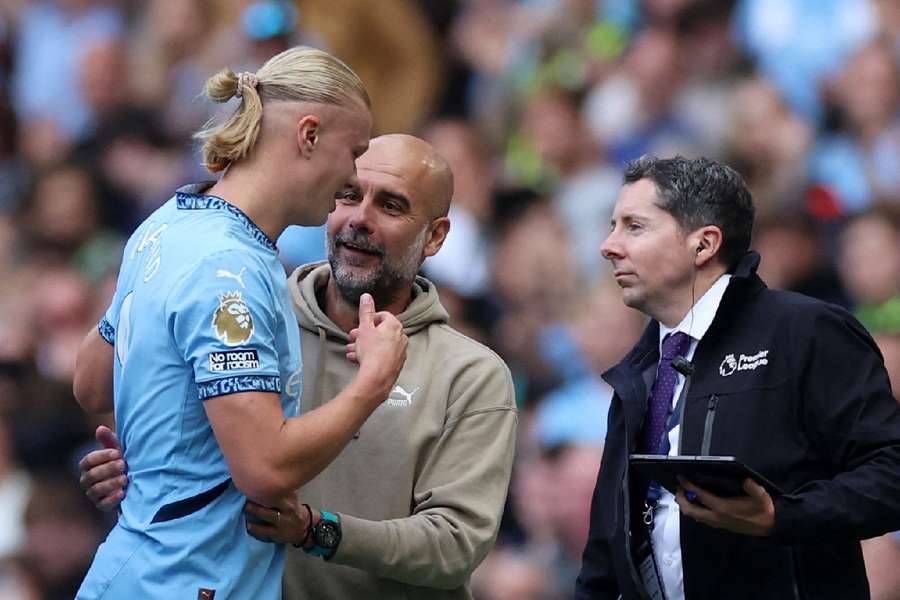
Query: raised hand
point(378, 345)
point(103, 472)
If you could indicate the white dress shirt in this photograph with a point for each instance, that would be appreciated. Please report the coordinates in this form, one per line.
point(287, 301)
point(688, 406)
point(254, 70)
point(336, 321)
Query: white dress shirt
point(666, 534)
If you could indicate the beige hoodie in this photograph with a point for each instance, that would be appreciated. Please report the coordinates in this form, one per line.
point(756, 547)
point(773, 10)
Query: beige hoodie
point(421, 490)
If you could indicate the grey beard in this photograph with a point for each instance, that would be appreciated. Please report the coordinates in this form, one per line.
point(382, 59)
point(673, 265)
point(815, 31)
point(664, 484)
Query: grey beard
point(385, 281)
point(382, 285)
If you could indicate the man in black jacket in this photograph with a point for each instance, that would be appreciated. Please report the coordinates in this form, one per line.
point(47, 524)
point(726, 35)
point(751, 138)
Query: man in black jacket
point(792, 387)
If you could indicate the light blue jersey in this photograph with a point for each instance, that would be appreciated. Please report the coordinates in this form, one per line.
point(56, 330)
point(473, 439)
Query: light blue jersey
point(201, 310)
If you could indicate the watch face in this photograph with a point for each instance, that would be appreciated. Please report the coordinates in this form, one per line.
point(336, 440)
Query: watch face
point(327, 535)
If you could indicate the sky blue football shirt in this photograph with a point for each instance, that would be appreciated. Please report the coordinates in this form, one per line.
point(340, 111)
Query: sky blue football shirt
point(201, 309)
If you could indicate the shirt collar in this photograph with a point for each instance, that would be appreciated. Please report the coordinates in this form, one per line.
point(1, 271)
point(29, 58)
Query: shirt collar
point(698, 320)
point(191, 197)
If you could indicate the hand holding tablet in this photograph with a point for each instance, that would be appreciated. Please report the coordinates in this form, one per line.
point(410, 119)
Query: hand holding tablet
point(717, 491)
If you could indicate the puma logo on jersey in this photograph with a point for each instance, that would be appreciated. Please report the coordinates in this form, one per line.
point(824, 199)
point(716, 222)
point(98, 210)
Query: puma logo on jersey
point(230, 275)
point(405, 398)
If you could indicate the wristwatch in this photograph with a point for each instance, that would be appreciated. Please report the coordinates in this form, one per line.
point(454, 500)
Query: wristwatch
point(326, 535)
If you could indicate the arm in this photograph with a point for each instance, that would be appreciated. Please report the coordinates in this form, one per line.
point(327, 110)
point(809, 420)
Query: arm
point(853, 422)
point(849, 411)
point(457, 503)
point(93, 382)
point(270, 456)
point(458, 496)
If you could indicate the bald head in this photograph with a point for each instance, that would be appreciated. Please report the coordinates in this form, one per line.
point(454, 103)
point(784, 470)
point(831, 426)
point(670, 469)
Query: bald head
point(415, 161)
point(394, 218)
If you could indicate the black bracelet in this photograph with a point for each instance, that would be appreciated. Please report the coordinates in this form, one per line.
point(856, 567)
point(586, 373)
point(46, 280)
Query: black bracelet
point(308, 527)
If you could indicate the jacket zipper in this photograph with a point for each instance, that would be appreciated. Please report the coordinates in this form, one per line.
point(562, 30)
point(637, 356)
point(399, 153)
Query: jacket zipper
point(708, 425)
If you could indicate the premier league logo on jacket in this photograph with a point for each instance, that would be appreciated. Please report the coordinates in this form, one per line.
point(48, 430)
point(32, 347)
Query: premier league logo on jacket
point(232, 320)
point(728, 366)
point(744, 362)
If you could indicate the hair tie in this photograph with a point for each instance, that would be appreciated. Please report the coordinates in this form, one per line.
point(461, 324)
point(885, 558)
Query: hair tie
point(245, 78)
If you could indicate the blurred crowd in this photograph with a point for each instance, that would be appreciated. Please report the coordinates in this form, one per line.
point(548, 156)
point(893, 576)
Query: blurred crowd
point(537, 104)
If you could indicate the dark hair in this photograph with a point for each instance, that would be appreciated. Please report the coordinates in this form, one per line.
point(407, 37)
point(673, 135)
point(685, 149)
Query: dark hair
point(699, 192)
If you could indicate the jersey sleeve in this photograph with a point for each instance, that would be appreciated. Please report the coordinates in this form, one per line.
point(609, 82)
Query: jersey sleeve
point(224, 318)
point(109, 322)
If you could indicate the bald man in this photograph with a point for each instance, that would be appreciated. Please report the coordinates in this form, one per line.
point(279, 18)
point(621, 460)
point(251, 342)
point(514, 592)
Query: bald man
point(413, 504)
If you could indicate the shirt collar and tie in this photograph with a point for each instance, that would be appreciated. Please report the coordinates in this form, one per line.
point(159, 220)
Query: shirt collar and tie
point(680, 340)
point(662, 392)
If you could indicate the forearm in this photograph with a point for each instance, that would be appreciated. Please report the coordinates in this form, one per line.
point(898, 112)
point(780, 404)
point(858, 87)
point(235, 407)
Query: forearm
point(859, 503)
point(305, 445)
point(270, 456)
point(852, 424)
point(429, 550)
point(458, 501)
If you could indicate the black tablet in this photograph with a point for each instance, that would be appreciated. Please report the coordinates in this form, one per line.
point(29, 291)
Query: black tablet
point(721, 475)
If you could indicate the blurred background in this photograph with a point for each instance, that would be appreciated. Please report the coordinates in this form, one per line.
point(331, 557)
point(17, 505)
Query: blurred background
point(537, 104)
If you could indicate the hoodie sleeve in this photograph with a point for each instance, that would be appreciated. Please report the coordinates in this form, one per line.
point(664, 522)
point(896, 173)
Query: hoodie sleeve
point(458, 496)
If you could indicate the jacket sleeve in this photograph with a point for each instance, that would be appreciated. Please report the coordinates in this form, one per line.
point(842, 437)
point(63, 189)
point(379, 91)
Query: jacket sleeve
point(853, 422)
point(597, 579)
point(458, 495)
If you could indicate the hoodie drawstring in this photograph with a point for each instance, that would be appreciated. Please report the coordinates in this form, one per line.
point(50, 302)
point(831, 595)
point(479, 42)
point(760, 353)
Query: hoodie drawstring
point(320, 366)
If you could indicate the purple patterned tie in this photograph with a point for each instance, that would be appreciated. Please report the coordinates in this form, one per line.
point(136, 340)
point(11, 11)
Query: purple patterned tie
point(674, 344)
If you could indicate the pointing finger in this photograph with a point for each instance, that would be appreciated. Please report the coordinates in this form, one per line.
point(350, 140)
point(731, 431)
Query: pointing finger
point(366, 310)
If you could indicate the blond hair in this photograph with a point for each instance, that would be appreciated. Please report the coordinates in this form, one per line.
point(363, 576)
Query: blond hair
point(299, 74)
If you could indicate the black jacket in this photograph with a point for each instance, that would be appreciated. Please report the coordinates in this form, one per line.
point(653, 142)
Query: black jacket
point(815, 416)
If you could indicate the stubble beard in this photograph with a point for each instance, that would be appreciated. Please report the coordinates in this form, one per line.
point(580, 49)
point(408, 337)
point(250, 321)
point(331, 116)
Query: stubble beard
point(385, 281)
